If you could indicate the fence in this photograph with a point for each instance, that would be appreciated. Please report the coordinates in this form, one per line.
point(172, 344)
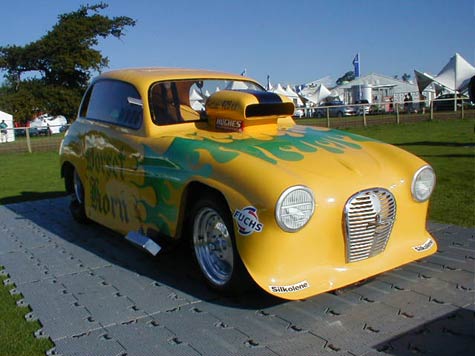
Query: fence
point(340, 116)
point(27, 139)
point(30, 139)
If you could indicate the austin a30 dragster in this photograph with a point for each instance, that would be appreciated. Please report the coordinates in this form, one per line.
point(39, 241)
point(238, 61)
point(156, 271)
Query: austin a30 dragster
point(167, 154)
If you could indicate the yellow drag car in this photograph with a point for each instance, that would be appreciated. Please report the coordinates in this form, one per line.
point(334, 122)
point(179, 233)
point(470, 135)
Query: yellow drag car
point(161, 155)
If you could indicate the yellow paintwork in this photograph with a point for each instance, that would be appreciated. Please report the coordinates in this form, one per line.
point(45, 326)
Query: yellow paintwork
point(250, 167)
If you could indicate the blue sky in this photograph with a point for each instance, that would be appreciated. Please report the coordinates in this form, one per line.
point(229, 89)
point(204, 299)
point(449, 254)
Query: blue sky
point(292, 41)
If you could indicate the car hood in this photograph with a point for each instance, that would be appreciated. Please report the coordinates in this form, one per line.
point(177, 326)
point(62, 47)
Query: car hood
point(298, 153)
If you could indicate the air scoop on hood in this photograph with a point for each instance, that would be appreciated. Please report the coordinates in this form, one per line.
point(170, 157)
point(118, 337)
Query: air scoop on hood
point(236, 110)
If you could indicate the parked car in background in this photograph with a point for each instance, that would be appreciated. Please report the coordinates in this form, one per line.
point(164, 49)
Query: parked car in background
point(299, 113)
point(32, 131)
point(445, 102)
point(334, 108)
point(251, 195)
point(362, 106)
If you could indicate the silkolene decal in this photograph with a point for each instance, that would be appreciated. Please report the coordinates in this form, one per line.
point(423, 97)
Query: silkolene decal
point(290, 288)
point(247, 220)
point(425, 246)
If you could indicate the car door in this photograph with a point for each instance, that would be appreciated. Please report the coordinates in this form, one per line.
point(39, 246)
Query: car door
point(112, 150)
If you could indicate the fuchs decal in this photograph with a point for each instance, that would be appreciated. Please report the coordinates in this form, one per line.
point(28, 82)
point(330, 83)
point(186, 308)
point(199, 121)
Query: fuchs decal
point(247, 220)
point(425, 246)
point(291, 288)
point(228, 124)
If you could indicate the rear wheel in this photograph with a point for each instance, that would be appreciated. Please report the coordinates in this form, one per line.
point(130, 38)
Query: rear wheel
point(214, 246)
point(77, 202)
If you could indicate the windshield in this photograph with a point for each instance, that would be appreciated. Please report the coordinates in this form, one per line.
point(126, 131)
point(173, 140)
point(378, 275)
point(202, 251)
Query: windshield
point(184, 100)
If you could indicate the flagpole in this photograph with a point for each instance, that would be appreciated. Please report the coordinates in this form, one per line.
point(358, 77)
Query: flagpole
point(359, 64)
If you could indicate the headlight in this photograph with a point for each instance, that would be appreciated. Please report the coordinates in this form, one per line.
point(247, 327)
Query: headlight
point(423, 184)
point(294, 208)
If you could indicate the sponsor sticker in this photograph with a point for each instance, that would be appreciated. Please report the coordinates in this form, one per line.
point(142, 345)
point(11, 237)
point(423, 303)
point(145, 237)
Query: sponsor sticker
point(228, 124)
point(425, 246)
point(247, 220)
point(290, 288)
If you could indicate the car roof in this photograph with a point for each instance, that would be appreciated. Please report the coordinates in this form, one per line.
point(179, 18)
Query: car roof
point(149, 75)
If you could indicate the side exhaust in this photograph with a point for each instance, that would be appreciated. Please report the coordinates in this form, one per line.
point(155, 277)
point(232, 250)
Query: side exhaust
point(143, 242)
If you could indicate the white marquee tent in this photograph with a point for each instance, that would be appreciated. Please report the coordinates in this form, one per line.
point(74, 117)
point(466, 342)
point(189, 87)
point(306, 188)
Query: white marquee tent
point(288, 92)
point(293, 96)
point(10, 135)
point(196, 101)
point(455, 76)
point(316, 93)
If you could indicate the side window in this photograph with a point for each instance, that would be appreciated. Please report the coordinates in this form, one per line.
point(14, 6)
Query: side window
point(115, 102)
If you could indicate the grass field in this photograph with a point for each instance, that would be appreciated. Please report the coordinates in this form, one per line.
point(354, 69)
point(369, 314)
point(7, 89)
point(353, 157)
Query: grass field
point(449, 146)
point(26, 176)
point(16, 334)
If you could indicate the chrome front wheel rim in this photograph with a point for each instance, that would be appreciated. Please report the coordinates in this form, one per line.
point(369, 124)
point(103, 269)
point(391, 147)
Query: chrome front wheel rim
point(213, 246)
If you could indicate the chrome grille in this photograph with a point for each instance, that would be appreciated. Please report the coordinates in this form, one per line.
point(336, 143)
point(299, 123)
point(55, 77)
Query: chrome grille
point(369, 219)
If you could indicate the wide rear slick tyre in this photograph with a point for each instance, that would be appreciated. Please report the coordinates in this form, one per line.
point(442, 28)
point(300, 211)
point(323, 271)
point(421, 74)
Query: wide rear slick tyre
point(214, 246)
point(76, 206)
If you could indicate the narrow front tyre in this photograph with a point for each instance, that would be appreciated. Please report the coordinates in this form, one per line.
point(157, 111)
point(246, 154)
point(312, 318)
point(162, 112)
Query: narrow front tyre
point(214, 247)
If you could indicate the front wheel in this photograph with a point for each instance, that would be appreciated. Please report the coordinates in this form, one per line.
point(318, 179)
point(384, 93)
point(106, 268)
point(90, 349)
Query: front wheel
point(214, 247)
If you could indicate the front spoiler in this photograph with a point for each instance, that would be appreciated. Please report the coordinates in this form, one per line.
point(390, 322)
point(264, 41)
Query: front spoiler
point(323, 278)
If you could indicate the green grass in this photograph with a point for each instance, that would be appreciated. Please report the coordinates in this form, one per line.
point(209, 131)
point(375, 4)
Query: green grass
point(16, 334)
point(449, 146)
point(29, 176)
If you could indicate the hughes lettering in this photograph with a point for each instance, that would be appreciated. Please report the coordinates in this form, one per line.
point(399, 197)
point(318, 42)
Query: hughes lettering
point(227, 124)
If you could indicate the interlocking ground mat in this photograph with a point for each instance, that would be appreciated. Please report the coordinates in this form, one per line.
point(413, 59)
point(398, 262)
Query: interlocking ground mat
point(96, 294)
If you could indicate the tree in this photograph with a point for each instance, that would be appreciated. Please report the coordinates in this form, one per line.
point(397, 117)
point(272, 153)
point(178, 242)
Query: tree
point(347, 77)
point(405, 77)
point(64, 59)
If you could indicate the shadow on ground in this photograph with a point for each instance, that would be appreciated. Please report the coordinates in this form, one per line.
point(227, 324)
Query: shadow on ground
point(173, 267)
point(31, 196)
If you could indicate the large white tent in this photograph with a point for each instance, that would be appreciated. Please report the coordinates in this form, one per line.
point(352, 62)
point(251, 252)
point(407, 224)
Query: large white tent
point(289, 92)
point(10, 135)
point(293, 96)
point(316, 93)
point(196, 101)
point(455, 76)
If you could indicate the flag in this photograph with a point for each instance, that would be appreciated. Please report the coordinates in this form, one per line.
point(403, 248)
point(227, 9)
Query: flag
point(356, 65)
point(269, 85)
